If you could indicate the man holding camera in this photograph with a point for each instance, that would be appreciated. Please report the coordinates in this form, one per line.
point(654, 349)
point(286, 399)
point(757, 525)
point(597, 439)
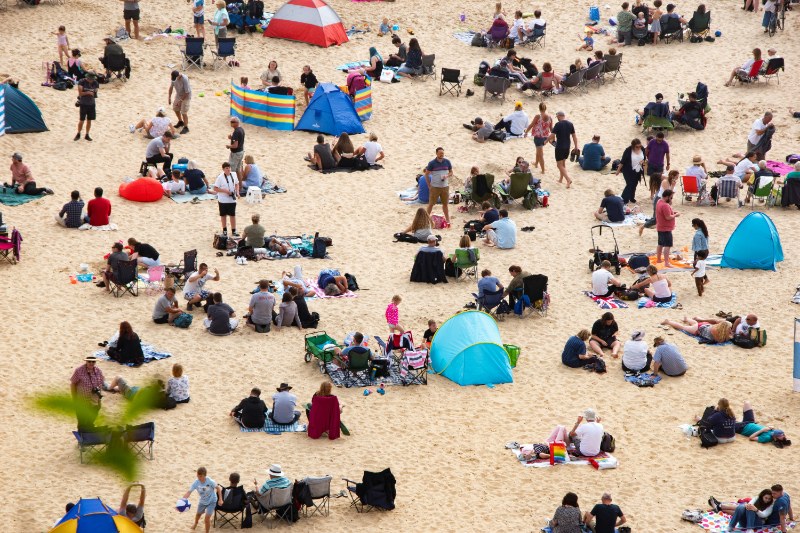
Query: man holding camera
point(86, 385)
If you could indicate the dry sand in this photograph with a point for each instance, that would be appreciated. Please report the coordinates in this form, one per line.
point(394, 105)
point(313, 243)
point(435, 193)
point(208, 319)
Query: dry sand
point(443, 442)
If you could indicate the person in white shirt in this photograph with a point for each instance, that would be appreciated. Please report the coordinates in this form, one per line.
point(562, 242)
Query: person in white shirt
point(603, 282)
point(517, 30)
point(227, 189)
point(588, 436)
point(372, 151)
point(758, 129)
point(156, 126)
point(175, 186)
point(744, 70)
point(698, 169)
point(515, 123)
point(635, 357)
point(743, 165)
point(193, 291)
point(537, 21)
point(741, 327)
point(699, 272)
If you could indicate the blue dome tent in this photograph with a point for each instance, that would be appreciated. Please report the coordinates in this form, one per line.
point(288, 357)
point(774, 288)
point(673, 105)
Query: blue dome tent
point(754, 244)
point(330, 111)
point(467, 349)
point(18, 112)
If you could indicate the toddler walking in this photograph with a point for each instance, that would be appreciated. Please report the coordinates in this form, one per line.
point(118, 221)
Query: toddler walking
point(63, 45)
point(393, 315)
point(699, 272)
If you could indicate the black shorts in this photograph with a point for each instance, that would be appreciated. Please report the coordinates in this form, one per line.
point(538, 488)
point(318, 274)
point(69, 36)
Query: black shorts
point(88, 112)
point(163, 320)
point(227, 209)
point(562, 154)
point(665, 238)
point(130, 14)
point(662, 300)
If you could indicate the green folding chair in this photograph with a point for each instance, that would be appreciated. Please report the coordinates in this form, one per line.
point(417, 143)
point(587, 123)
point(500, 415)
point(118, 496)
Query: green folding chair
point(520, 189)
point(468, 267)
point(762, 190)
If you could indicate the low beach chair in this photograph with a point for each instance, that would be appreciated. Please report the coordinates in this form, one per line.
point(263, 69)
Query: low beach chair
point(752, 75)
point(534, 288)
point(414, 367)
point(140, 439)
point(192, 52)
point(520, 190)
point(594, 74)
point(428, 67)
point(276, 503)
point(728, 188)
point(357, 362)
point(772, 70)
point(537, 38)
point(472, 198)
point(231, 511)
point(468, 267)
point(612, 66)
point(91, 443)
point(495, 87)
point(319, 489)
point(125, 279)
point(671, 29)
point(186, 266)
point(573, 82)
point(118, 67)
point(226, 50)
point(690, 186)
point(700, 25)
point(489, 301)
point(451, 82)
point(377, 490)
point(762, 190)
point(10, 247)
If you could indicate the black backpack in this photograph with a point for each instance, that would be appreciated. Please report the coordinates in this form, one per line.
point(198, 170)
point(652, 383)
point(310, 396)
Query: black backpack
point(607, 444)
point(220, 242)
point(638, 261)
point(320, 249)
point(360, 163)
point(708, 439)
point(352, 284)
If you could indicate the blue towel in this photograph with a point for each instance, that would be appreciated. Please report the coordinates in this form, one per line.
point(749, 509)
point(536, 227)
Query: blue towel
point(666, 305)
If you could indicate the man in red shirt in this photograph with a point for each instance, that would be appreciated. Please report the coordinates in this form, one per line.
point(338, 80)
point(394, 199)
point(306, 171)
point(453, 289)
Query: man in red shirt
point(665, 223)
point(98, 210)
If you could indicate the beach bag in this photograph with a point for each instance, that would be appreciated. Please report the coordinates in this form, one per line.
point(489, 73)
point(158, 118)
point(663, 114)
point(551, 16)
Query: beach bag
point(220, 242)
point(320, 249)
point(478, 40)
point(477, 79)
point(183, 321)
point(745, 342)
point(508, 43)
point(439, 222)
point(247, 252)
point(638, 261)
point(758, 336)
point(695, 516)
point(387, 76)
point(352, 284)
point(708, 439)
point(608, 444)
point(792, 158)
point(520, 305)
point(360, 163)
point(451, 270)
point(630, 295)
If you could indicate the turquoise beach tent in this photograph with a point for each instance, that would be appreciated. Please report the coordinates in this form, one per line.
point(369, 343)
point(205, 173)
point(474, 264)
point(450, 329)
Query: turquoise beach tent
point(754, 244)
point(467, 349)
point(19, 113)
point(330, 111)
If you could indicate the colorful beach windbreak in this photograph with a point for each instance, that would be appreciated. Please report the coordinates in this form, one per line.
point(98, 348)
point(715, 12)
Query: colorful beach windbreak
point(273, 111)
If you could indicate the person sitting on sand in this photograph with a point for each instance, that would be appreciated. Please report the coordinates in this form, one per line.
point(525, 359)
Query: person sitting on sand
point(133, 511)
point(607, 516)
point(427, 337)
point(586, 434)
point(750, 514)
point(251, 412)
point(178, 385)
point(593, 156)
point(261, 308)
point(155, 127)
point(22, 181)
point(710, 332)
point(516, 123)
point(372, 150)
point(574, 354)
point(195, 179)
point(612, 208)
point(502, 233)
point(420, 229)
point(287, 313)
point(119, 385)
point(604, 284)
point(193, 291)
point(757, 432)
point(283, 406)
point(251, 175)
point(412, 66)
point(253, 235)
point(332, 282)
point(166, 309)
point(343, 151)
point(722, 422)
point(567, 518)
point(604, 335)
point(295, 279)
point(277, 88)
point(635, 355)
point(322, 156)
point(143, 253)
point(127, 348)
point(668, 359)
point(73, 211)
point(220, 319)
point(656, 286)
point(175, 186)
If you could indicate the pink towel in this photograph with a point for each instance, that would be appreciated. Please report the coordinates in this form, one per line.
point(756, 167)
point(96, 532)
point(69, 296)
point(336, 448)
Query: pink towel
point(324, 416)
point(780, 168)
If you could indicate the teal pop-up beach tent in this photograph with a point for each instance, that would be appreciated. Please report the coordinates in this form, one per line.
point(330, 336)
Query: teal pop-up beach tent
point(754, 244)
point(467, 349)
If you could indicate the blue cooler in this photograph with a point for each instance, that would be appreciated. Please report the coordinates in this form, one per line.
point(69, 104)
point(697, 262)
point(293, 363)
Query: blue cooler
point(594, 14)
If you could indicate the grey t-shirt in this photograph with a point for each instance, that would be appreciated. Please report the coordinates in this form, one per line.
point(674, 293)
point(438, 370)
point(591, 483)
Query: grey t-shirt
point(154, 147)
point(115, 258)
point(283, 404)
point(325, 155)
point(182, 87)
point(255, 235)
point(220, 316)
point(129, 6)
point(162, 304)
point(485, 131)
point(670, 359)
point(262, 303)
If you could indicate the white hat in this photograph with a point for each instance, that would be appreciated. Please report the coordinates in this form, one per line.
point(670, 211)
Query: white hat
point(275, 470)
point(590, 415)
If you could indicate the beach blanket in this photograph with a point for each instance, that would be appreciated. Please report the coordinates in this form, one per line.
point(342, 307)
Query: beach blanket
point(11, 198)
point(150, 354)
point(676, 265)
point(337, 376)
point(107, 227)
point(410, 195)
point(189, 198)
point(352, 65)
point(718, 523)
point(642, 380)
point(647, 302)
point(780, 167)
point(465, 36)
point(713, 260)
point(544, 463)
point(700, 340)
point(344, 169)
point(630, 220)
point(321, 292)
point(606, 303)
point(276, 429)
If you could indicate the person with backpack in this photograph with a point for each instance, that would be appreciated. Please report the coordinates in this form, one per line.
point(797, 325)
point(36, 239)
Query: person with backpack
point(586, 434)
point(721, 422)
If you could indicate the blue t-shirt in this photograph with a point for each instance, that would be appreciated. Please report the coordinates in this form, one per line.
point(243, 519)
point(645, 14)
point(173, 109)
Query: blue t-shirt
point(489, 283)
point(423, 195)
point(206, 490)
point(506, 232)
point(752, 427)
point(781, 506)
point(722, 426)
point(277, 483)
point(439, 171)
point(572, 349)
point(615, 208)
point(592, 155)
point(491, 215)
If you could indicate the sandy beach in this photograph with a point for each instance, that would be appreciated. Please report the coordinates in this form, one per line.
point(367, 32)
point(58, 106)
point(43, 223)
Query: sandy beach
point(443, 442)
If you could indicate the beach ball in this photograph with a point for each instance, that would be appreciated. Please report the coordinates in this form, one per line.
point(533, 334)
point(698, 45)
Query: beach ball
point(182, 505)
point(612, 21)
point(717, 33)
point(396, 27)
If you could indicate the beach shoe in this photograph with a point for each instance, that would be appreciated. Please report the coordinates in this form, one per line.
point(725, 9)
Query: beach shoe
point(49, 191)
point(87, 137)
point(77, 137)
point(195, 200)
point(132, 128)
point(179, 124)
point(185, 130)
point(470, 92)
point(468, 126)
point(513, 445)
point(714, 503)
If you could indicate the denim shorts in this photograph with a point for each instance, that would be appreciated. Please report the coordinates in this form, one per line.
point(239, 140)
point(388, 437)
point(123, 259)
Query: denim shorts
point(199, 19)
point(539, 141)
point(207, 508)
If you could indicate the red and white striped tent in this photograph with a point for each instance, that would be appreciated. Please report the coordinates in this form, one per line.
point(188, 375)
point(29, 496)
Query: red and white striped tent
point(308, 21)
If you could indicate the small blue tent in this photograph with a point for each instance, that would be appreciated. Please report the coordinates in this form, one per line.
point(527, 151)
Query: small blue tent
point(330, 111)
point(20, 114)
point(467, 349)
point(754, 244)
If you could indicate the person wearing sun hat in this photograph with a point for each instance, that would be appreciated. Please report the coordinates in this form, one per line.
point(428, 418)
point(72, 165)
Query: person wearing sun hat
point(87, 383)
point(277, 480)
point(587, 436)
point(515, 123)
point(283, 406)
point(636, 357)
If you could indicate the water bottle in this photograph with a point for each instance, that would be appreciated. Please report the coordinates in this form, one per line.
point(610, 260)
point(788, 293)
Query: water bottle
point(463, 17)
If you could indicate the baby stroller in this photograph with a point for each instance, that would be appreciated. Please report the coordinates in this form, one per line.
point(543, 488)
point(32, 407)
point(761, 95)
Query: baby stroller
point(599, 256)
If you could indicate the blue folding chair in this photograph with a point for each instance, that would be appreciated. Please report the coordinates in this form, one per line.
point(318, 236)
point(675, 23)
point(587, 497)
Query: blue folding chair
point(226, 50)
point(192, 53)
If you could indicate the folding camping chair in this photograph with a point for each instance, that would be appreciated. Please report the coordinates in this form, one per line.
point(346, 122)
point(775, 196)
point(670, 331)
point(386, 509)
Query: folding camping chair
point(520, 188)
point(275, 503)
point(10, 247)
point(234, 501)
point(119, 67)
point(428, 67)
point(573, 82)
point(612, 66)
point(226, 50)
point(414, 367)
point(140, 439)
point(192, 53)
point(495, 87)
point(762, 190)
point(772, 69)
point(728, 188)
point(451, 82)
point(690, 185)
point(700, 25)
point(155, 279)
point(752, 75)
point(534, 288)
point(377, 490)
point(358, 362)
point(671, 29)
point(319, 490)
point(91, 444)
point(537, 37)
point(468, 267)
point(593, 74)
point(473, 199)
point(185, 267)
point(125, 279)
point(489, 301)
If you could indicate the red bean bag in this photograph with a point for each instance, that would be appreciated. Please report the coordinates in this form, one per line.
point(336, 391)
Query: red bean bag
point(142, 190)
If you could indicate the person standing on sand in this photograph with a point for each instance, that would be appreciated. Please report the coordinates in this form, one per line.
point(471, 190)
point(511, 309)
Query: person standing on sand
point(563, 131)
point(183, 98)
point(130, 12)
point(87, 93)
point(437, 174)
point(665, 223)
